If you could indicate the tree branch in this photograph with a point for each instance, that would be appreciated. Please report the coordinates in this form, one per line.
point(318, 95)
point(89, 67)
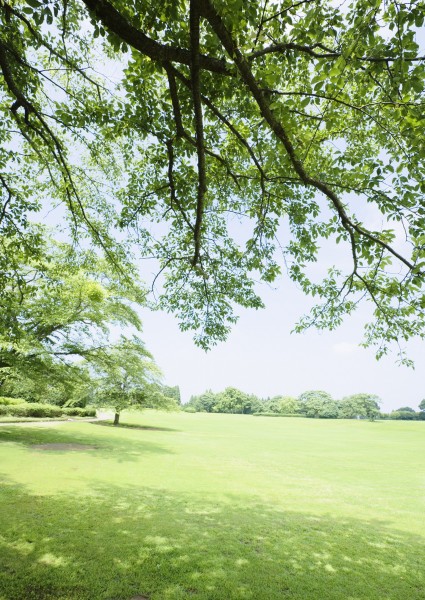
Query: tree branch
point(276, 126)
point(113, 20)
point(199, 127)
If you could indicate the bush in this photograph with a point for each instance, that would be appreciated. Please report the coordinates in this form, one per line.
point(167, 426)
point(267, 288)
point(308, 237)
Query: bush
point(49, 411)
point(88, 412)
point(77, 411)
point(272, 414)
point(6, 401)
point(189, 409)
point(34, 410)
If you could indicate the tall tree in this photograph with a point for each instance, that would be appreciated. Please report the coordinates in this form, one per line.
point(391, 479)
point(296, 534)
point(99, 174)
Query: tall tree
point(359, 405)
point(318, 404)
point(129, 378)
point(57, 306)
point(294, 112)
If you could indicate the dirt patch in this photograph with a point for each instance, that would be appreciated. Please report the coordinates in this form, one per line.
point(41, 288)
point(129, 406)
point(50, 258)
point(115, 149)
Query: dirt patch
point(64, 447)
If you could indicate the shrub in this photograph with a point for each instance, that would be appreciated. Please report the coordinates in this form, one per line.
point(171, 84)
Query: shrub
point(88, 412)
point(77, 411)
point(189, 409)
point(6, 401)
point(272, 414)
point(35, 410)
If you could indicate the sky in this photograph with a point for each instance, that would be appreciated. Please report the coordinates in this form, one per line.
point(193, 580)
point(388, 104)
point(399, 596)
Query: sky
point(262, 357)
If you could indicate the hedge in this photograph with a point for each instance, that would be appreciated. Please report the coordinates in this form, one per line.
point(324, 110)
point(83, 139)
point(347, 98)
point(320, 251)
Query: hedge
point(269, 414)
point(44, 410)
point(77, 411)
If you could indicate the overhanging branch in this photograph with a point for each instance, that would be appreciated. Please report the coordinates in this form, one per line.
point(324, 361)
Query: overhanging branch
point(278, 129)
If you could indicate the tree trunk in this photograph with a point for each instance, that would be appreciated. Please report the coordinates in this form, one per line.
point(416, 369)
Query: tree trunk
point(117, 418)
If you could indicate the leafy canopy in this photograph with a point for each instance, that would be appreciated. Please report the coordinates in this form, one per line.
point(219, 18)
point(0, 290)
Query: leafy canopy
point(57, 310)
point(265, 113)
point(127, 377)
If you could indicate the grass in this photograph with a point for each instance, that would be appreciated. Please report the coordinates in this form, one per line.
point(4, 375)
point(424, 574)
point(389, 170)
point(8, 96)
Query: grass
point(214, 507)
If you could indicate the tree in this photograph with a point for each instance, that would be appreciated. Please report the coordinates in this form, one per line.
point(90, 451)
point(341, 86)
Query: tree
point(421, 413)
point(204, 402)
point(318, 404)
point(281, 112)
point(48, 381)
point(234, 401)
point(403, 415)
point(129, 378)
point(172, 392)
point(57, 307)
point(288, 405)
point(359, 405)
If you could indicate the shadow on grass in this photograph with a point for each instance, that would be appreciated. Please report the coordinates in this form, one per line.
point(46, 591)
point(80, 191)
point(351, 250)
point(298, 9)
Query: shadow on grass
point(131, 426)
point(121, 448)
point(128, 541)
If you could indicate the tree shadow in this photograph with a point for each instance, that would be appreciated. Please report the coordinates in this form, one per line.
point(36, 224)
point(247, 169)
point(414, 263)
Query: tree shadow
point(128, 541)
point(131, 426)
point(109, 445)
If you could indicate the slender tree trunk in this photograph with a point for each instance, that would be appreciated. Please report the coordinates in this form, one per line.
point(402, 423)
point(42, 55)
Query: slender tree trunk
point(117, 418)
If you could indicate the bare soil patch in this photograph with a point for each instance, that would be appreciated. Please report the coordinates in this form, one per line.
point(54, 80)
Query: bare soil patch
point(63, 447)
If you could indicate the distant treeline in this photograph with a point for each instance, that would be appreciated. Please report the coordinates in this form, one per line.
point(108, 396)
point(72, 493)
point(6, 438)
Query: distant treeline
point(314, 404)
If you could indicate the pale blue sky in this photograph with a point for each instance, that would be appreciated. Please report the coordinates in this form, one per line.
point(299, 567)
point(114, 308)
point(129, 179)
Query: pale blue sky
point(262, 357)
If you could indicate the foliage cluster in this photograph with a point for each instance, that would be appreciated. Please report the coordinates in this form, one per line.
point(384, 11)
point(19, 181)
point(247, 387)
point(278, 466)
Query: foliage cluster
point(284, 116)
point(59, 309)
point(404, 415)
point(313, 404)
point(48, 411)
point(7, 401)
point(267, 414)
point(317, 404)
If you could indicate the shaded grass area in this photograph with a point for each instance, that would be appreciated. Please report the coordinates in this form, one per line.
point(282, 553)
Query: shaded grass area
point(119, 448)
point(132, 541)
point(132, 426)
point(213, 508)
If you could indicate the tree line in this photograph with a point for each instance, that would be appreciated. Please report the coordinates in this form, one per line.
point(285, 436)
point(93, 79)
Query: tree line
point(312, 404)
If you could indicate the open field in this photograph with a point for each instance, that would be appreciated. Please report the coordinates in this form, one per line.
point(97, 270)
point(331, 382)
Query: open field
point(213, 507)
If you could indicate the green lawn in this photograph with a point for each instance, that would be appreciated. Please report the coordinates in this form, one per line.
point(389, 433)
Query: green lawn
point(214, 507)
